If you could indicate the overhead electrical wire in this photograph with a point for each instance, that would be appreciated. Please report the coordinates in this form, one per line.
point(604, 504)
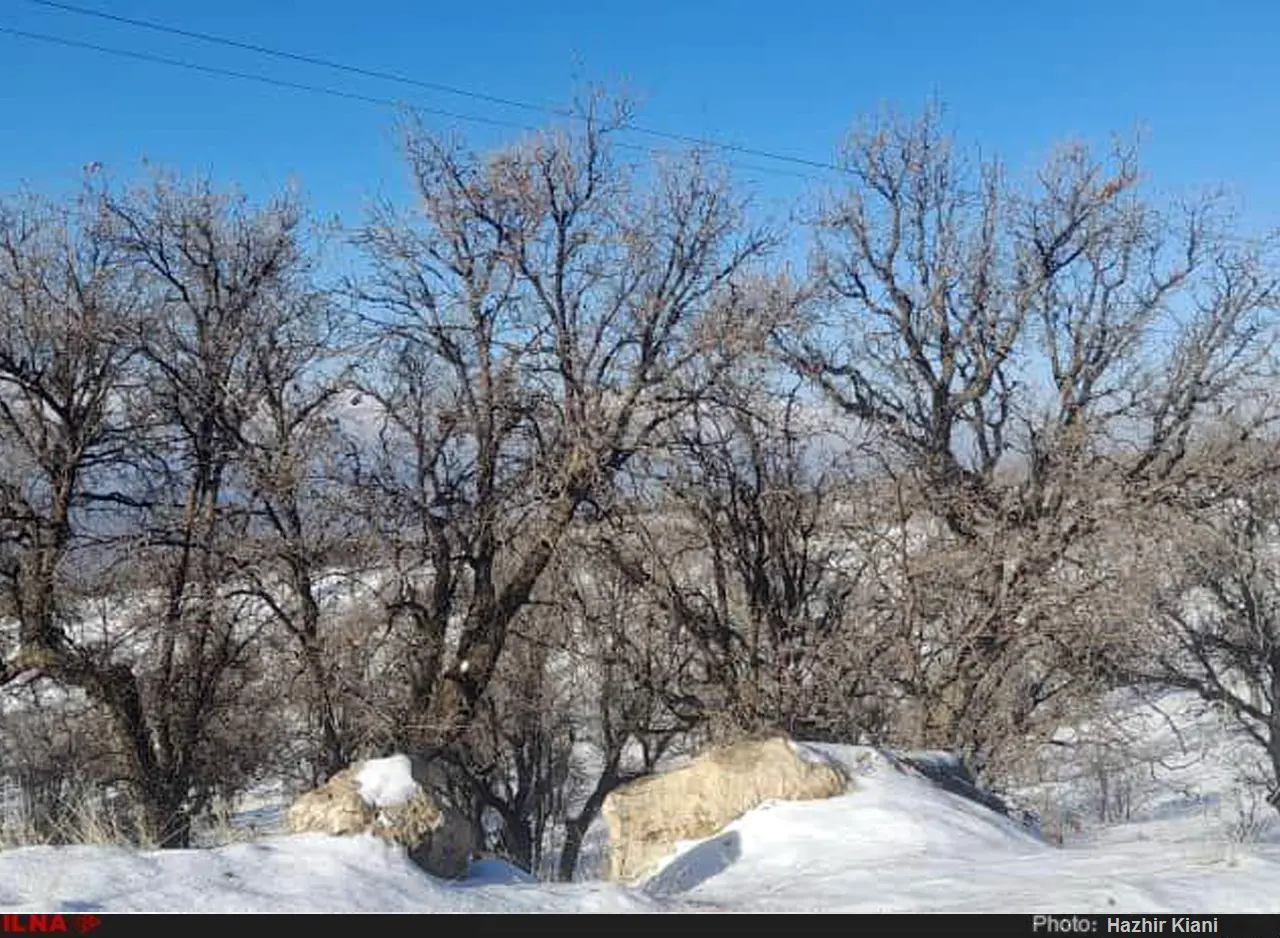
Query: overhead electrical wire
point(383, 75)
point(249, 76)
point(288, 84)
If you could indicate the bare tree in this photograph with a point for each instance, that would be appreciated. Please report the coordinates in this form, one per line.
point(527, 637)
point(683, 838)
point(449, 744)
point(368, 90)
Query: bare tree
point(627, 680)
point(749, 558)
point(521, 746)
point(212, 269)
point(70, 306)
point(947, 295)
point(291, 454)
point(547, 315)
point(1217, 612)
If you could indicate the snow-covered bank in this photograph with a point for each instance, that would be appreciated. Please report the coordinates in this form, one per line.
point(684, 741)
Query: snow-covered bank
point(897, 842)
point(301, 873)
point(900, 844)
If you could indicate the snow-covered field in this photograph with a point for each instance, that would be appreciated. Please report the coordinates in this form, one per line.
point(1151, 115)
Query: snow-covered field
point(895, 842)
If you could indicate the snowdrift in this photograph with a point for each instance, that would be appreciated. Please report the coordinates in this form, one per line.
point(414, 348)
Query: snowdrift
point(901, 842)
point(299, 873)
point(897, 842)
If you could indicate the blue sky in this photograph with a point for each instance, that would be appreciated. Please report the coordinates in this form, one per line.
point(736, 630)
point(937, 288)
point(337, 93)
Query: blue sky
point(1203, 78)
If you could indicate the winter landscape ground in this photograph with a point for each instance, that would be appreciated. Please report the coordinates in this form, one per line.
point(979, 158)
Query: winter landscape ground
point(1193, 842)
point(460, 512)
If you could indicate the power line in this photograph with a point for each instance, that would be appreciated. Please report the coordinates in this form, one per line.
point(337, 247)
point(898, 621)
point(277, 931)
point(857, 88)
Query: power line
point(248, 76)
point(218, 71)
point(383, 75)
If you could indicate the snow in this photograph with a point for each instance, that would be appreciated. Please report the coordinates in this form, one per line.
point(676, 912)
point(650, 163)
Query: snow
point(896, 842)
point(386, 783)
point(492, 871)
point(899, 843)
point(1149, 761)
point(301, 873)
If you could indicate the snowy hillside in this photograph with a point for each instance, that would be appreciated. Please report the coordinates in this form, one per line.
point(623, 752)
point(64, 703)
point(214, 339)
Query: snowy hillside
point(895, 842)
point(1166, 765)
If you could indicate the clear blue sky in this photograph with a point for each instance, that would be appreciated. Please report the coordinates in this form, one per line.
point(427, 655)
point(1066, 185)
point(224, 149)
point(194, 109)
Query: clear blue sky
point(1016, 75)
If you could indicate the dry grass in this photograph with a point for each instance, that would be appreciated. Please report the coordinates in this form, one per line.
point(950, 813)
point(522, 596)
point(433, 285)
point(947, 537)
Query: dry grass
point(81, 817)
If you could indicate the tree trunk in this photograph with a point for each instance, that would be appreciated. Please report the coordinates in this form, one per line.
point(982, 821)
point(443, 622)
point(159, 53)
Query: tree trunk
point(162, 794)
point(575, 832)
point(484, 632)
point(333, 756)
point(1273, 748)
point(166, 815)
point(576, 827)
point(517, 841)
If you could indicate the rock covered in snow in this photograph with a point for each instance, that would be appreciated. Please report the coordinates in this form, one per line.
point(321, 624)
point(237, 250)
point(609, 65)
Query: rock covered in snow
point(388, 798)
point(387, 783)
point(649, 817)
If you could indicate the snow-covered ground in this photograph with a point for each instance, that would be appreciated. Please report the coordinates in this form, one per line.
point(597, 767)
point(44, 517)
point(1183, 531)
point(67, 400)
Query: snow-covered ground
point(1167, 765)
point(302, 873)
point(895, 842)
